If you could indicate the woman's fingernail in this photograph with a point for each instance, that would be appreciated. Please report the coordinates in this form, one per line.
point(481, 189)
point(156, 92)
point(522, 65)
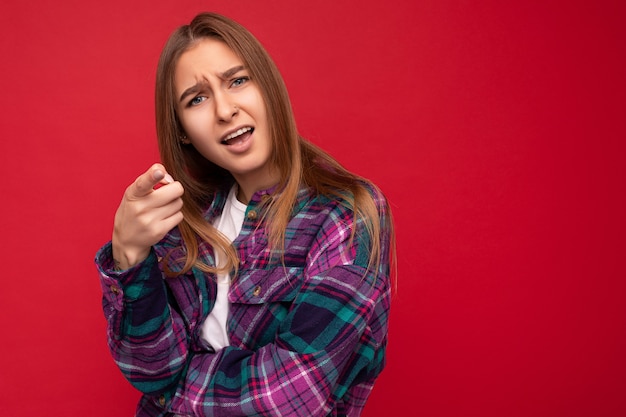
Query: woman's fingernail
point(168, 179)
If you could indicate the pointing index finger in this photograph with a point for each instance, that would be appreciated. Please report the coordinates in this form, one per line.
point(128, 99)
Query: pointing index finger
point(145, 183)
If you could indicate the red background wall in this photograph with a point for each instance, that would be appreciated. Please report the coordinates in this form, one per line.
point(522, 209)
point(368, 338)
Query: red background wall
point(496, 129)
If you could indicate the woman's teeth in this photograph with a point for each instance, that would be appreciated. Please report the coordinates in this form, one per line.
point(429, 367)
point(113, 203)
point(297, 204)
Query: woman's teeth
point(236, 134)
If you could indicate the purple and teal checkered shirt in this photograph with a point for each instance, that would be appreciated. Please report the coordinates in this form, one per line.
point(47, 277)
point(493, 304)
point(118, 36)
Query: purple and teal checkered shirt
point(307, 332)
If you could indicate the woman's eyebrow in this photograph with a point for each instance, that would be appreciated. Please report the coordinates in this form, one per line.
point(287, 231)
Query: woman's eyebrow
point(192, 90)
point(234, 70)
point(200, 84)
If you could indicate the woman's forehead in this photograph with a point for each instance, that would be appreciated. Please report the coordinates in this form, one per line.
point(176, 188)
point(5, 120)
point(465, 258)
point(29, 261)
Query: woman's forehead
point(210, 53)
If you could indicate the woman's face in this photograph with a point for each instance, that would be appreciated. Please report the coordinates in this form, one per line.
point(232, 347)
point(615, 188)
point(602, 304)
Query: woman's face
point(223, 113)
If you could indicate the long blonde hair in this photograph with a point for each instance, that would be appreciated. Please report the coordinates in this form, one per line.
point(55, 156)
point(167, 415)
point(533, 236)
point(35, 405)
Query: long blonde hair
point(299, 162)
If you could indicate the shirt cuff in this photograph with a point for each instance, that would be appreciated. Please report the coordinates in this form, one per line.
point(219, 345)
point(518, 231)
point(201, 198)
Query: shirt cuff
point(117, 286)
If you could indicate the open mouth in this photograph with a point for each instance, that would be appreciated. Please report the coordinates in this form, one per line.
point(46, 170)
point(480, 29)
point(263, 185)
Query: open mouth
point(237, 136)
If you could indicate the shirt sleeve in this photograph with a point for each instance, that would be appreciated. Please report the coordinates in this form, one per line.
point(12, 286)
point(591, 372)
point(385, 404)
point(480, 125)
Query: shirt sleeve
point(332, 338)
point(147, 339)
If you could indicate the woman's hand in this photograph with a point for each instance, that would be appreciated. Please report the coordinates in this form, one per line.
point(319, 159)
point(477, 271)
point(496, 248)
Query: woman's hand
point(145, 215)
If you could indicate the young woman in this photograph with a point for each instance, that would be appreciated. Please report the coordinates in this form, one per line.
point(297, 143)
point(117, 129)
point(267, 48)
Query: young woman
point(249, 274)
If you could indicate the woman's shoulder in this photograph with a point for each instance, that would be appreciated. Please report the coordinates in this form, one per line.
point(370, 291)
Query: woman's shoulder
point(340, 203)
point(361, 189)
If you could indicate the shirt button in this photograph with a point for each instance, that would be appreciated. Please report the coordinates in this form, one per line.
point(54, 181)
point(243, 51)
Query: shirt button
point(265, 197)
point(252, 215)
point(162, 400)
point(257, 291)
point(115, 289)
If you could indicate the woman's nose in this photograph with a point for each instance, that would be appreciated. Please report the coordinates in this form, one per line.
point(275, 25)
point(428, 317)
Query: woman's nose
point(225, 108)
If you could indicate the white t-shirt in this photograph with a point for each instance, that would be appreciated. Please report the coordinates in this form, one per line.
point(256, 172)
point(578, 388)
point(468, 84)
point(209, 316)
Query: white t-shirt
point(229, 223)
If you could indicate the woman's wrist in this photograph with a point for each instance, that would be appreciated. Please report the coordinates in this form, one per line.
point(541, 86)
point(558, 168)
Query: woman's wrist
point(125, 258)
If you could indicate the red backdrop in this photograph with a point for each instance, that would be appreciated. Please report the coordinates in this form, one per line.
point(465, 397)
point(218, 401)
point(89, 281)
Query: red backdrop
point(496, 129)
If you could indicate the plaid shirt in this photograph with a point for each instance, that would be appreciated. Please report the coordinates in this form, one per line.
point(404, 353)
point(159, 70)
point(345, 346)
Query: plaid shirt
point(307, 338)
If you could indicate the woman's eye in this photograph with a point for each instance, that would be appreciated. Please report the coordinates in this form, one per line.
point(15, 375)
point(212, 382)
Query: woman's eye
point(239, 81)
point(197, 100)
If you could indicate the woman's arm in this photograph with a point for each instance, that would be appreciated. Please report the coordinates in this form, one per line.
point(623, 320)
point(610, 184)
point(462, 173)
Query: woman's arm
point(148, 339)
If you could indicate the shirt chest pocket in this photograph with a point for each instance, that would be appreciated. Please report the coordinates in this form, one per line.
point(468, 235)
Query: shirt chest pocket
point(263, 286)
